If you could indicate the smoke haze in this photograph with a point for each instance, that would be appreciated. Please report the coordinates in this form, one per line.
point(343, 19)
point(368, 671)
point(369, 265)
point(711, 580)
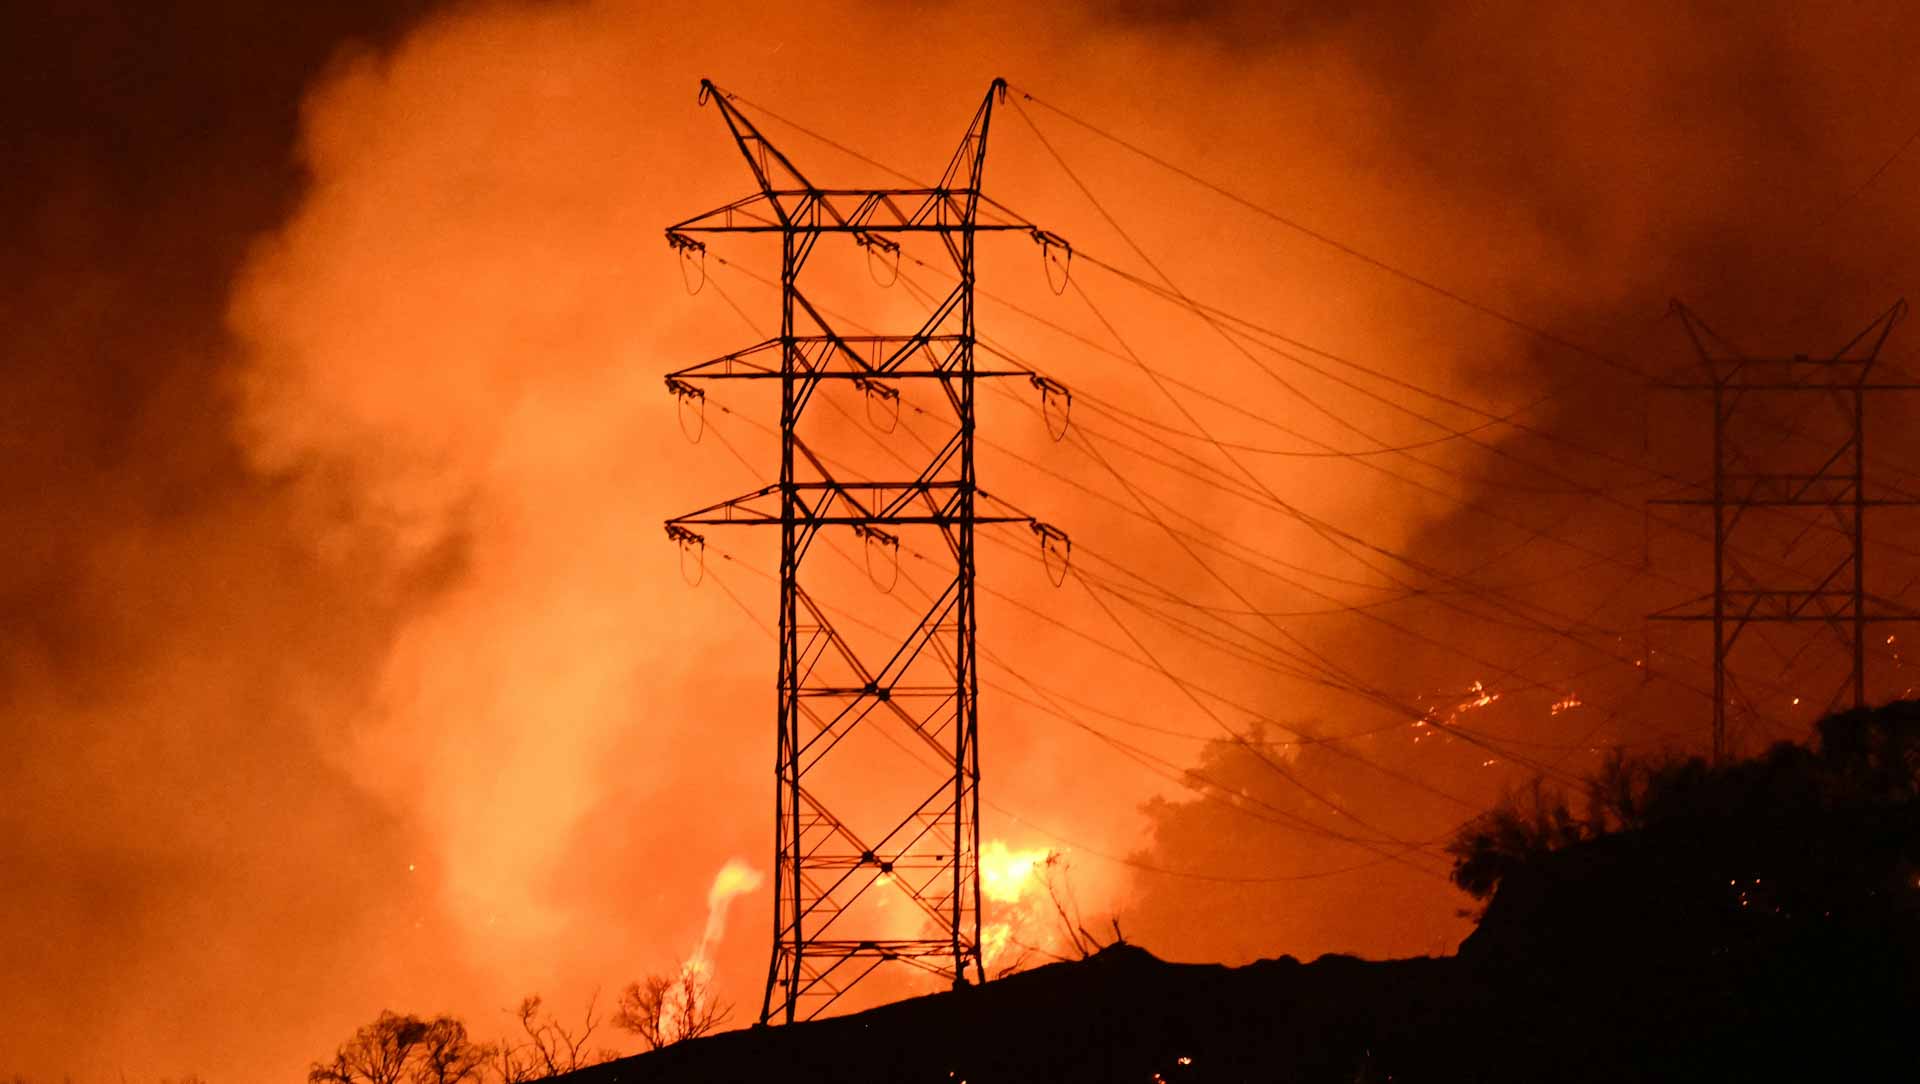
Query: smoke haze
point(347, 669)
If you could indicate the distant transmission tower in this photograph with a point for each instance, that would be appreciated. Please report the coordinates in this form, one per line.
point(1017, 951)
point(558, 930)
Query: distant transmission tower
point(872, 866)
point(1811, 465)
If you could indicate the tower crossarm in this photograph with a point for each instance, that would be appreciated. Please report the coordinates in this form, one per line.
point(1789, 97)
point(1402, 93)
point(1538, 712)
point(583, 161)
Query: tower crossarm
point(847, 357)
point(866, 504)
point(853, 210)
point(1755, 606)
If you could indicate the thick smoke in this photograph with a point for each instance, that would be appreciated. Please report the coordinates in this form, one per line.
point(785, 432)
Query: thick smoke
point(348, 669)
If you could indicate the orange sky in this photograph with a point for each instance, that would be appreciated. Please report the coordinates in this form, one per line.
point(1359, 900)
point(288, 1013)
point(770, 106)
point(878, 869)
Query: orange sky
point(425, 716)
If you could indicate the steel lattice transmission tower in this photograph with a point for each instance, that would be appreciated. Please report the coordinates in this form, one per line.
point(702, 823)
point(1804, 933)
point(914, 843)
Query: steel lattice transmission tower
point(849, 841)
point(1813, 468)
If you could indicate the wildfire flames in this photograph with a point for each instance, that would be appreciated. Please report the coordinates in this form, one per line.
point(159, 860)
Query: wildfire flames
point(735, 879)
point(346, 669)
point(1014, 890)
point(1007, 875)
point(1478, 697)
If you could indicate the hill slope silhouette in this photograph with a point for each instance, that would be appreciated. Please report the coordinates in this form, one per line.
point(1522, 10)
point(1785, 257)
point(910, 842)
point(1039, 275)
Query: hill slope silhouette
point(1758, 920)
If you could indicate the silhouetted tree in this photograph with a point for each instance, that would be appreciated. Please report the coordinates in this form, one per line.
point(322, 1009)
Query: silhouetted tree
point(1522, 830)
point(1863, 769)
point(377, 1053)
point(1873, 756)
point(404, 1049)
point(551, 1047)
point(1075, 941)
point(1066, 908)
point(446, 1056)
point(666, 1009)
point(510, 1063)
point(1243, 808)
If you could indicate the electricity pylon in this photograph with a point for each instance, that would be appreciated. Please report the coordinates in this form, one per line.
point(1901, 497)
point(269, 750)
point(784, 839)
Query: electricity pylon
point(1814, 468)
point(830, 930)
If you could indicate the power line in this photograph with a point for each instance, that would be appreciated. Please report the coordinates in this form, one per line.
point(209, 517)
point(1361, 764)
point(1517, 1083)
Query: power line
point(1395, 270)
point(1517, 322)
point(1159, 765)
point(1180, 778)
point(1247, 805)
point(1425, 283)
point(1406, 713)
point(1563, 628)
point(1859, 190)
point(1467, 735)
point(1333, 535)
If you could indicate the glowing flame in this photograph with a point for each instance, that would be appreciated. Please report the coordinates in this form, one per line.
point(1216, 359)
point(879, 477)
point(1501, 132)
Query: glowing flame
point(994, 938)
point(1006, 874)
point(736, 878)
point(1478, 699)
point(1011, 878)
point(1481, 698)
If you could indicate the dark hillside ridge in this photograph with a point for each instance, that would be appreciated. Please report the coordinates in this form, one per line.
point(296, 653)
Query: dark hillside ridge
point(1752, 921)
point(1120, 1015)
point(1565, 980)
point(1124, 1015)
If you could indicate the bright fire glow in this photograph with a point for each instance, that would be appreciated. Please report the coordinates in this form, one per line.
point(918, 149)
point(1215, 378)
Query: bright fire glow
point(736, 878)
point(1006, 875)
point(1479, 698)
point(1014, 880)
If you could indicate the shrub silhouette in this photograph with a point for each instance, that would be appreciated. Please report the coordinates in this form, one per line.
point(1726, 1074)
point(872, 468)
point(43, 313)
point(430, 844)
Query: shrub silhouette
point(1675, 859)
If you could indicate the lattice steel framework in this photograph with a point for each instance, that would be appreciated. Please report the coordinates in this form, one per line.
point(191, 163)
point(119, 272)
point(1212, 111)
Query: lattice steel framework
point(1751, 474)
point(828, 933)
